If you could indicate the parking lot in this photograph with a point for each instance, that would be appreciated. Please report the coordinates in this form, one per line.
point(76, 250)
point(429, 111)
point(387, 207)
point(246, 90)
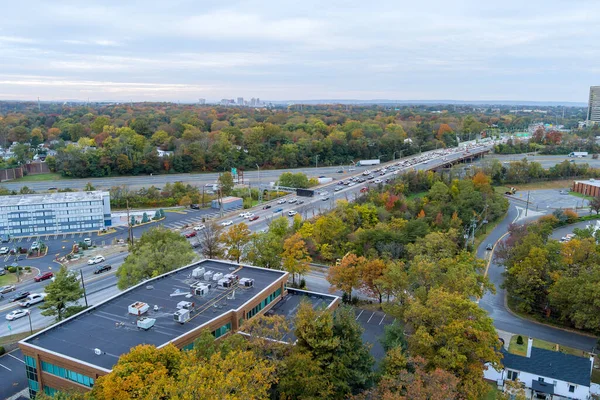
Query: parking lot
point(12, 374)
point(551, 199)
point(373, 322)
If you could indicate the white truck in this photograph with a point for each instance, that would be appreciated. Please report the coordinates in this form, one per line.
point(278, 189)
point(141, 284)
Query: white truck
point(363, 163)
point(32, 299)
point(578, 154)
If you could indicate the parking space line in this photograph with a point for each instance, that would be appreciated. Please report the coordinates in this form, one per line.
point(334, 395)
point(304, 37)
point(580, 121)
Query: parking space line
point(16, 358)
point(29, 238)
point(5, 367)
point(370, 317)
point(382, 318)
point(359, 314)
point(64, 235)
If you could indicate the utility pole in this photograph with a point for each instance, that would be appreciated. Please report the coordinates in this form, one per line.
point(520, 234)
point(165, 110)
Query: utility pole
point(130, 229)
point(527, 205)
point(83, 285)
point(259, 189)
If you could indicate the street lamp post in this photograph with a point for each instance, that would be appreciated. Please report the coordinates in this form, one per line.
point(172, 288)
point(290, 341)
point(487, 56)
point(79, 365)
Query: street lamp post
point(259, 189)
point(84, 291)
point(30, 325)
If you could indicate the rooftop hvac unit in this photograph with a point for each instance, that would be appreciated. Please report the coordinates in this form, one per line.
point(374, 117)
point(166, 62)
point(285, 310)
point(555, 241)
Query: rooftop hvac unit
point(181, 316)
point(185, 305)
point(208, 275)
point(225, 283)
point(200, 290)
point(146, 323)
point(232, 277)
point(217, 276)
point(138, 308)
point(198, 273)
point(247, 282)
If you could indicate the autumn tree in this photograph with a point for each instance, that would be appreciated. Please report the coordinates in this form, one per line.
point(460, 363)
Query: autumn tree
point(296, 259)
point(347, 274)
point(372, 278)
point(595, 204)
point(210, 240)
point(234, 240)
point(158, 251)
point(226, 183)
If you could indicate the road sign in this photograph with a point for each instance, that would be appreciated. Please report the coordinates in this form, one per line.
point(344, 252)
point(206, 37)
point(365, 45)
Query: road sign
point(233, 171)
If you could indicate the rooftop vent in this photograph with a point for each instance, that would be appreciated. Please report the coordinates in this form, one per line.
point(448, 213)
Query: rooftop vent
point(138, 308)
point(145, 323)
point(98, 352)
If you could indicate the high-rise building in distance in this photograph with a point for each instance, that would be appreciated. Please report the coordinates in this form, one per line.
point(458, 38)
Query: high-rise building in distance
point(593, 114)
point(201, 101)
point(240, 101)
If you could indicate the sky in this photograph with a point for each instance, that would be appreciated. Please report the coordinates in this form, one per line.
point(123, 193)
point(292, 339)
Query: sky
point(180, 50)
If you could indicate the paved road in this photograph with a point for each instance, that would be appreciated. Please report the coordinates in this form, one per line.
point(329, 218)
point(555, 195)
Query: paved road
point(494, 304)
point(547, 161)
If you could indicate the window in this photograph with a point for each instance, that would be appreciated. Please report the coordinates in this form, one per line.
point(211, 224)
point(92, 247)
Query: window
point(32, 376)
point(571, 388)
point(50, 391)
point(512, 375)
point(67, 374)
point(540, 379)
point(222, 330)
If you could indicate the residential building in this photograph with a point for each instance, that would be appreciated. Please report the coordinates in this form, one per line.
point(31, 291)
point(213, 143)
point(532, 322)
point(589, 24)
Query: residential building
point(593, 114)
point(172, 308)
point(546, 374)
point(52, 213)
point(590, 187)
point(163, 153)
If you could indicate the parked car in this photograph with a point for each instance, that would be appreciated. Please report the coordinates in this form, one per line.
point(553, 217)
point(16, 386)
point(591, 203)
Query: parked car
point(199, 227)
point(102, 268)
point(195, 206)
point(44, 276)
point(32, 299)
point(227, 223)
point(4, 238)
point(3, 251)
point(19, 296)
point(7, 289)
point(35, 246)
point(291, 213)
point(253, 218)
point(96, 260)
point(16, 314)
point(190, 234)
point(266, 207)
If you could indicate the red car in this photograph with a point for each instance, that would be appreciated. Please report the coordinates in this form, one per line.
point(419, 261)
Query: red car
point(254, 218)
point(190, 234)
point(43, 277)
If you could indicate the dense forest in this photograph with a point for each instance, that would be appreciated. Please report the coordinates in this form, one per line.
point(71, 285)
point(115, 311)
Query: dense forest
point(130, 139)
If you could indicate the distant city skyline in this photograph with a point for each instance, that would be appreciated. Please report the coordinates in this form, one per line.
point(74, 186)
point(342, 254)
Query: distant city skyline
point(539, 51)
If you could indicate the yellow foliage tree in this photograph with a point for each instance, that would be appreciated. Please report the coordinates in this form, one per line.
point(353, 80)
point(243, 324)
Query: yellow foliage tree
point(295, 256)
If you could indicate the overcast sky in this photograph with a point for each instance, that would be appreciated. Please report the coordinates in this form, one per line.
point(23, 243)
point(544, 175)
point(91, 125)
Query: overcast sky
point(311, 49)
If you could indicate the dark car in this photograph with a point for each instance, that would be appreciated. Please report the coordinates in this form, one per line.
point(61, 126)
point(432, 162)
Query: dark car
point(278, 210)
point(253, 218)
point(195, 206)
point(19, 296)
point(190, 234)
point(300, 201)
point(340, 171)
point(102, 268)
point(489, 246)
point(267, 207)
point(43, 277)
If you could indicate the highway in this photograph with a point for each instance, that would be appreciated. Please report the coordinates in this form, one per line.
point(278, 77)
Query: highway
point(103, 286)
point(546, 161)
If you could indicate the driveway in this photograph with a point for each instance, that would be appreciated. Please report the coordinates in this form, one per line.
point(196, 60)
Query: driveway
point(495, 305)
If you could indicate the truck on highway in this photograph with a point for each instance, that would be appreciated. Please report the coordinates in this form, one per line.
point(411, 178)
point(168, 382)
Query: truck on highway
point(578, 154)
point(305, 192)
point(363, 163)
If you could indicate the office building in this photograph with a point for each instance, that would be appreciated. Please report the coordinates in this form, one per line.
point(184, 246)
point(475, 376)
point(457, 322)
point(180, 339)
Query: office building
point(52, 213)
point(172, 308)
point(240, 101)
point(593, 114)
point(590, 187)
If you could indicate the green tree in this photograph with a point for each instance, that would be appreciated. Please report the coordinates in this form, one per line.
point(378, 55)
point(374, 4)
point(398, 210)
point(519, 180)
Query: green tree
point(145, 218)
point(62, 294)
point(264, 250)
point(158, 251)
point(226, 182)
point(89, 187)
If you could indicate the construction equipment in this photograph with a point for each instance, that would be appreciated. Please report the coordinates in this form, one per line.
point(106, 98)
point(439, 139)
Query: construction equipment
point(511, 191)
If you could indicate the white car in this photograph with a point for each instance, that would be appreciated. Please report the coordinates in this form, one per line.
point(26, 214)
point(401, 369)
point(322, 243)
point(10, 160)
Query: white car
point(227, 223)
point(32, 299)
point(3, 251)
point(35, 246)
point(281, 201)
point(199, 228)
point(16, 314)
point(378, 181)
point(291, 213)
point(96, 260)
point(244, 214)
point(249, 215)
point(323, 193)
point(292, 201)
point(87, 241)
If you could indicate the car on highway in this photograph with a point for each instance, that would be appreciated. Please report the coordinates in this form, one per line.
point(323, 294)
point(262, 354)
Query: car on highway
point(200, 227)
point(3, 251)
point(292, 201)
point(253, 218)
point(249, 215)
point(244, 214)
point(190, 234)
point(378, 181)
point(266, 207)
point(96, 260)
point(291, 213)
point(32, 299)
point(19, 296)
point(277, 210)
point(489, 246)
point(300, 201)
point(338, 188)
point(227, 223)
point(340, 171)
point(7, 289)
point(52, 188)
point(324, 198)
point(323, 193)
point(102, 268)
point(44, 276)
point(281, 201)
point(16, 314)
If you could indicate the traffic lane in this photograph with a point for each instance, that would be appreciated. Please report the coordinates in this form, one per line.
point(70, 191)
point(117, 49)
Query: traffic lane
point(12, 371)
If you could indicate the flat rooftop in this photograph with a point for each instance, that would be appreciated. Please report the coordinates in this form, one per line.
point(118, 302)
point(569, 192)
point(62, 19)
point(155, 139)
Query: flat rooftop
point(288, 306)
point(109, 327)
point(49, 198)
point(591, 182)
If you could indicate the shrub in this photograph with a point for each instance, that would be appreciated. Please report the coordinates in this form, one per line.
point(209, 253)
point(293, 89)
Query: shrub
point(2, 351)
point(571, 215)
point(27, 268)
point(519, 339)
point(12, 269)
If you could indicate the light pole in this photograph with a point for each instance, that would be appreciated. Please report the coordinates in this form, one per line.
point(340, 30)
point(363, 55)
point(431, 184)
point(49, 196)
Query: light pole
point(316, 161)
point(259, 189)
point(84, 291)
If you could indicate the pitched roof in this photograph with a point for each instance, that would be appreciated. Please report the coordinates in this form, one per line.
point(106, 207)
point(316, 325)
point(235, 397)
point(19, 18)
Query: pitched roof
point(551, 364)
